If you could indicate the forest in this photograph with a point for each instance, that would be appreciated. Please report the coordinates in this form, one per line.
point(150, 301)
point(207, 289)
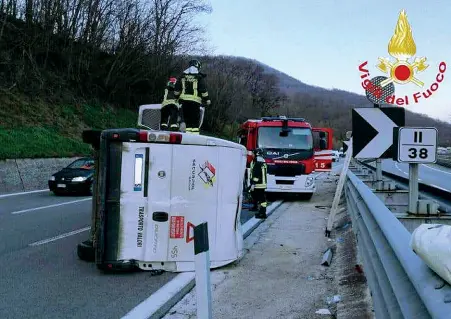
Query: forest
point(70, 65)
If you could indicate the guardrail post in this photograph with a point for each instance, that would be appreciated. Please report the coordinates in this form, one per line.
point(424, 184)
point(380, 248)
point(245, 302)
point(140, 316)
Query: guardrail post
point(378, 170)
point(413, 188)
point(337, 196)
point(202, 262)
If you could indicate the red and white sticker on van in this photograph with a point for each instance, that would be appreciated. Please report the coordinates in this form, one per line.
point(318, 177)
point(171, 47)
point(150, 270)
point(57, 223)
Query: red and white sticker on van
point(204, 173)
point(207, 174)
point(177, 227)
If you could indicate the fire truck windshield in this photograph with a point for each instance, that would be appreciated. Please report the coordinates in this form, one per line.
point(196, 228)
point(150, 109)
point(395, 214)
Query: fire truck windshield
point(298, 138)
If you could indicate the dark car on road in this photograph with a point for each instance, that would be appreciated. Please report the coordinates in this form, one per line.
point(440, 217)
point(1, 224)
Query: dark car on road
point(77, 177)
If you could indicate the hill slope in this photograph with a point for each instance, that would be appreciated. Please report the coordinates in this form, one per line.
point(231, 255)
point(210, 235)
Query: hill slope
point(333, 107)
point(36, 127)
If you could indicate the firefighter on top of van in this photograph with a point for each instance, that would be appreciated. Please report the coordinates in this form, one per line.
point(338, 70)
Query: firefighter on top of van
point(258, 170)
point(169, 107)
point(192, 93)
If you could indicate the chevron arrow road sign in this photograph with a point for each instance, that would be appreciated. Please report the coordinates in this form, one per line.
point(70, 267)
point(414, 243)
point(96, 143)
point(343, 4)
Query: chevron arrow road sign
point(373, 131)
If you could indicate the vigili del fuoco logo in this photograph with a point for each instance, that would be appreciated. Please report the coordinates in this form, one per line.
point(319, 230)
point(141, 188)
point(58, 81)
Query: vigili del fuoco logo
point(402, 47)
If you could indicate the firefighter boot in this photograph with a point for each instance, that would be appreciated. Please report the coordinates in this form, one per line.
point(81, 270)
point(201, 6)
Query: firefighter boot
point(261, 211)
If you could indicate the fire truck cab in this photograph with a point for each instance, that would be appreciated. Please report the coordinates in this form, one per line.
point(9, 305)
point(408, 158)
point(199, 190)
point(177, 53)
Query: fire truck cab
point(292, 149)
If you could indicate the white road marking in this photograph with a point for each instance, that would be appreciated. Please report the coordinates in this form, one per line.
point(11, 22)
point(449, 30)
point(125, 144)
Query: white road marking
point(25, 193)
point(436, 169)
point(49, 240)
point(439, 187)
point(50, 206)
point(166, 294)
point(396, 165)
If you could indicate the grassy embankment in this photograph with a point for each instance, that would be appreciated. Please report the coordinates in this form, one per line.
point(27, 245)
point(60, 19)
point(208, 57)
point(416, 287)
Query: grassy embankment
point(40, 130)
point(37, 129)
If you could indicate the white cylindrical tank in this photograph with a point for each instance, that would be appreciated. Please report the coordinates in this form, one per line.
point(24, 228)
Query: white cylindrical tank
point(432, 243)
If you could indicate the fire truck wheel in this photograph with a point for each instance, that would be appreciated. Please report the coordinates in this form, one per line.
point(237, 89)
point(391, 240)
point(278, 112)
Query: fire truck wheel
point(270, 197)
point(85, 251)
point(307, 196)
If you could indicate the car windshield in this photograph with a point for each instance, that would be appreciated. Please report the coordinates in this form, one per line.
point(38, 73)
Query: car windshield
point(84, 163)
point(298, 138)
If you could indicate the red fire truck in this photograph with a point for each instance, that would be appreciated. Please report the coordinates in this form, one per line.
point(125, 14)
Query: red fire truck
point(292, 149)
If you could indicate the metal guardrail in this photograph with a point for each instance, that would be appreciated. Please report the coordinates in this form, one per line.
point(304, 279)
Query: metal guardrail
point(422, 186)
point(444, 160)
point(402, 285)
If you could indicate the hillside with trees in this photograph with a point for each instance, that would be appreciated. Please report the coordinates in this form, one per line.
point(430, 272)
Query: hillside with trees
point(70, 65)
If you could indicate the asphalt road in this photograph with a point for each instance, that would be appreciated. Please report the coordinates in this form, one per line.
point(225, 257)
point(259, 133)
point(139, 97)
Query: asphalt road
point(433, 175)
point(41, 275)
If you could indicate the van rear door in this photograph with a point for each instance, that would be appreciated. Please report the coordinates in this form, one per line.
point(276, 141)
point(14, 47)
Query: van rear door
point(323, 157)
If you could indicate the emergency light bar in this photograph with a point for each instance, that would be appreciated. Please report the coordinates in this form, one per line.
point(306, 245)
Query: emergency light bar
point(282, 118)
point(164, 137)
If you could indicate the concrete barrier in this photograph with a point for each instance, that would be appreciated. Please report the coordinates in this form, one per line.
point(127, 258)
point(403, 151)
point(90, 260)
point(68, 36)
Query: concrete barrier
point(21, 175)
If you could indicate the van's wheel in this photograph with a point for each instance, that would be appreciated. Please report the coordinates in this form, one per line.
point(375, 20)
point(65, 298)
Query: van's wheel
point(85, 251)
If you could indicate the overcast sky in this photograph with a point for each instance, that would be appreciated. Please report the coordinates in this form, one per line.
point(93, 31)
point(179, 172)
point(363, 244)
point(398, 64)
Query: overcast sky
point(323, 42)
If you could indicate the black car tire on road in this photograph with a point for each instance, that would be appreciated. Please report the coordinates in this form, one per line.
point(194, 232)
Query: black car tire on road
point(91, 189)
point(85, 251)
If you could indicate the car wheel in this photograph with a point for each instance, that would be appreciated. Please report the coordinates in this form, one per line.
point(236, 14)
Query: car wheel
point(91, 189)
point(56, 193)
point(85, 251)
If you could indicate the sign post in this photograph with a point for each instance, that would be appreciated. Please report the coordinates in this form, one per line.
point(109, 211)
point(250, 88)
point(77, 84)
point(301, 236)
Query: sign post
point(415, 145)
point(202, 260)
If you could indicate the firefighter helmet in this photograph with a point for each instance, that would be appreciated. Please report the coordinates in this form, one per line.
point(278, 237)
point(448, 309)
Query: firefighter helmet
point(195, 63)
point(171, 82)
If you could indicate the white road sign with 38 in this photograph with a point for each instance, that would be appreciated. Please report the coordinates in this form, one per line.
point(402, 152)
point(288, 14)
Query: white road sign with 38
point(417, 144)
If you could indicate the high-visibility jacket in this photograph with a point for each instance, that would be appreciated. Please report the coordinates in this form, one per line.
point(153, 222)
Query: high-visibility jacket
point(258, 172)
point(191, 87)
point(169, 97)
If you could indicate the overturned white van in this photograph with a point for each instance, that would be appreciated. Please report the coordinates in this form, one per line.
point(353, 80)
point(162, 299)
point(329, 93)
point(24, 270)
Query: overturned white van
point(155, 186)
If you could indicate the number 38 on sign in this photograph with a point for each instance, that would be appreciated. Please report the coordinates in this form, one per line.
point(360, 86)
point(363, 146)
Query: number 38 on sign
point(416, 144)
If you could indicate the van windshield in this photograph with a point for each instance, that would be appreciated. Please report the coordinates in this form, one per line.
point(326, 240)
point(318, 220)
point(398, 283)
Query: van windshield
point(298, 138)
